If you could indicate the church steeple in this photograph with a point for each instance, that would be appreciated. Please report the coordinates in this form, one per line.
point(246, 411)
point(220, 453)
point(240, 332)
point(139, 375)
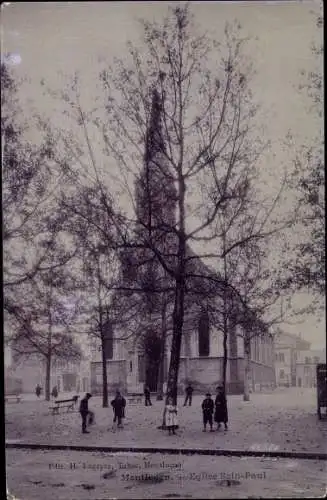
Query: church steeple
point(155, 189)
point(154, 139)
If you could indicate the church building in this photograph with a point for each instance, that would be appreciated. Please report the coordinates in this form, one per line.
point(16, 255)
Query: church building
point(144, 359)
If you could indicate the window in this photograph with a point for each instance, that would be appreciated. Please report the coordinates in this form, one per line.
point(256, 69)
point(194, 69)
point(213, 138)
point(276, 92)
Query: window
point(130, 366)
point(307, 360)
point(316, 359)
point(108, 341)
point(204, 333)
point(281, 357)
point(281, 374)
point(276, 356)
point(141, 365)
point(62, 364)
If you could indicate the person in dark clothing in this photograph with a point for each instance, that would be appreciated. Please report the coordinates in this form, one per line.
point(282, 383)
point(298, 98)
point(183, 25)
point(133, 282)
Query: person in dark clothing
point(147, 396)
point(221, 413)
point(54, 392)
point(207, 411)
point(38, 390)
point(118, 404)
point(84, 411)
point(188, 395)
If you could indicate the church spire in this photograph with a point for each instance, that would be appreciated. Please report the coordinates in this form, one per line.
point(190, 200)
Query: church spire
point(154, 139)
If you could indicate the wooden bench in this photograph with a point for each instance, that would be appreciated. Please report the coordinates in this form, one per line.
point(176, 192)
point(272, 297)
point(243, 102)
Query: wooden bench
point(12, 398)
point(64, 403)
point(135, 398)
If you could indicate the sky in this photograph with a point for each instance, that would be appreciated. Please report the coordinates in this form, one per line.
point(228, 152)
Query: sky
point(44, 39)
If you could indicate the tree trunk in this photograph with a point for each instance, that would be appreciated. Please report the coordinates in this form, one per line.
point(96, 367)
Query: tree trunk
point(47, 376)
point(104, 373)
point(225, 357)
point(178, 318)
point(161, 373)
point(178, 313)
point(225, 320)
point(103, 334)
point(49, 344)
point(247, 367)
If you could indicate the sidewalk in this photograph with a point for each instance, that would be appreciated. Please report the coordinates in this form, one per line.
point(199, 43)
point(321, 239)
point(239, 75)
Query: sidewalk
point(280, 421)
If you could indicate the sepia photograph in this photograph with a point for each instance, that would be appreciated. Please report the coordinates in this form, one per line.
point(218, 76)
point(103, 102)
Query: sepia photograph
point(163, 214)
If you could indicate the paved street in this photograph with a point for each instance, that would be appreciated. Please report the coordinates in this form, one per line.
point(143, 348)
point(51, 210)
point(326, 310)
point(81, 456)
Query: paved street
point(281, 421)
point(36, 475)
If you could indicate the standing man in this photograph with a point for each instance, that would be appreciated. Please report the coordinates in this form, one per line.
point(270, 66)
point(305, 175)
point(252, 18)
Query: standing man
point(118, 405)
point(54, 392)
point(38, 390)
point(147, 396)
point(84, 411)
point(188, 395)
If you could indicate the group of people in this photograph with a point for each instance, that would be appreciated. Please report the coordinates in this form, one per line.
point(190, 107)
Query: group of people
point(118, 405)
point(38, 391)
point(215, 410)
point(212, 411)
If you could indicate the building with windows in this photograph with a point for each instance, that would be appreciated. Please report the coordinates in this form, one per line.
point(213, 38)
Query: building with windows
point(306, 363)
point(67, 375)
point(295, 362)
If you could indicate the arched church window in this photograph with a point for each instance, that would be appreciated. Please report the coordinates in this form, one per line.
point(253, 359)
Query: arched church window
point(108, 341)
point(204, 333)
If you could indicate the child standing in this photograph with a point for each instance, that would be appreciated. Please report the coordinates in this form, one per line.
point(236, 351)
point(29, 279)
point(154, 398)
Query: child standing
point(207, 410)
point(171, 416)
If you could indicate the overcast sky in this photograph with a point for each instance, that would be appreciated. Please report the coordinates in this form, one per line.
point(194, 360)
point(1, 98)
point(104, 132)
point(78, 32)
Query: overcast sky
point(45, 38)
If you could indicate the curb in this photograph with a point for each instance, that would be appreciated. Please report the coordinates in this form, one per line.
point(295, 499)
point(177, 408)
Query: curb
point(172, 451)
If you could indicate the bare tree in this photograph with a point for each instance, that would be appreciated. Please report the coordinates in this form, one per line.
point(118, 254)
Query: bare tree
point(209, 141)
point(41, 323)
point(25, 175)
point(34, 250)
point(306, 271)
point(265, 305)
point(205, 135)
point(113, 310)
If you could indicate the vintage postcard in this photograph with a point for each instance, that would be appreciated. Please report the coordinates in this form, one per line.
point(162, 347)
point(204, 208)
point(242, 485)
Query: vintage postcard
point(163, 249)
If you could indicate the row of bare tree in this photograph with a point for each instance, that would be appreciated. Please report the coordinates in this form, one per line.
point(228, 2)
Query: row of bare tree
point(150, 205)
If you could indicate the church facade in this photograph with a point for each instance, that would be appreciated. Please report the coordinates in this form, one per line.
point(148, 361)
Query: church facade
point(201, 364)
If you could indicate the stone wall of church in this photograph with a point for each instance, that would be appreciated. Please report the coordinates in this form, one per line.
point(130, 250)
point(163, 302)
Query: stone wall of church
point(203, 373)
point(262, 375)
point(116, 373)
point(206, 373)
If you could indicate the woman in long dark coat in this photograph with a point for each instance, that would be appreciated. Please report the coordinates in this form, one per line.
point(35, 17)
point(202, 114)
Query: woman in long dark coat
point(221, 413)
